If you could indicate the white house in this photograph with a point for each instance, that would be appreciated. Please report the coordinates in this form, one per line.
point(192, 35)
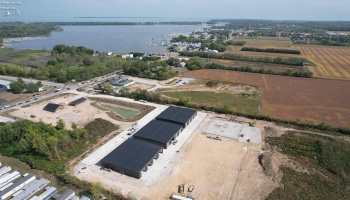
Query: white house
point(127, 56)
point(181, 64)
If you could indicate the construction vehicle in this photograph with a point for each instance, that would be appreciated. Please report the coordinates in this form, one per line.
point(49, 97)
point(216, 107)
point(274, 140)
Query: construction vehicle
point(181, 189)
point(190, 189)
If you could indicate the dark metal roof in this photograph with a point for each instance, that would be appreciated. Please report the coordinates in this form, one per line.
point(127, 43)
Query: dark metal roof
point(133, 154)
point(159, 131)
point(77, 101)
point(15, 185)
point(176, 114)
point(51, 107)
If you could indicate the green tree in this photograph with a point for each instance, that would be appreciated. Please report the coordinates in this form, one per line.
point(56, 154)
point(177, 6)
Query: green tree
point(32, 87)
point(39, 84)
point(17, 87)
point(53, 143)
point(60, 124)
point(74, 126)
point(107, 88)
point(95, 190)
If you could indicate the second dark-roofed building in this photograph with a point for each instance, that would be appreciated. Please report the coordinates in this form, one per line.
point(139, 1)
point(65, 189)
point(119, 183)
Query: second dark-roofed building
point(77, 101)
point(132, 157)
point(158, 132)
point(177, 115)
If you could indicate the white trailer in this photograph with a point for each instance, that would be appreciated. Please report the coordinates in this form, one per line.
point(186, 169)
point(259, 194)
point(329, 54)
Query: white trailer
point(4, 170)
point(16, 186)
point(8, 178)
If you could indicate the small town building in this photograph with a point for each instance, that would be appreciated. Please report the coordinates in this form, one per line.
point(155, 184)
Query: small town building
point(77, 101)
point(52, 107)
point(121, 82)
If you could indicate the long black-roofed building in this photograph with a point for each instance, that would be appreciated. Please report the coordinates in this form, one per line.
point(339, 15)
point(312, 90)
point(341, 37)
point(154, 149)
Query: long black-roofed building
point(77, 101)
point(177, 115)
point(159, 133)
point(132, 157)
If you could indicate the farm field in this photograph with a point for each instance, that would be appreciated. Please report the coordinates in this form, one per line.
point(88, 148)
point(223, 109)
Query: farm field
point(256, 65)
point(236, 102)
point(331, 62)
point(293, 98)
point(267, 42)
point(237, 50)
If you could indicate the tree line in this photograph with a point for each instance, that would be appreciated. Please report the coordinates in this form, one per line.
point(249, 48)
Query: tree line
point(271, 50)
point(50, 148)
point(19, 85)
point(240, 57)
point(20, 29)
point(71, 50)
point(236, 43)
point(195, 63)
point(214, 45)
point(69, 62)
point(158, 69)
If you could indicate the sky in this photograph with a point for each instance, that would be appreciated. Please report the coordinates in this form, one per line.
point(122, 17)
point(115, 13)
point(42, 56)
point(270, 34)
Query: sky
point(191, 9)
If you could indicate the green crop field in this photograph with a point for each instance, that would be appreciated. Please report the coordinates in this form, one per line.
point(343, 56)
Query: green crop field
point(267, 41)
point(244, 103)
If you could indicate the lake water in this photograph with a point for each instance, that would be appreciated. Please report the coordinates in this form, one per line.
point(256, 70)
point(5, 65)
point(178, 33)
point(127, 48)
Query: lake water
point(119, 38)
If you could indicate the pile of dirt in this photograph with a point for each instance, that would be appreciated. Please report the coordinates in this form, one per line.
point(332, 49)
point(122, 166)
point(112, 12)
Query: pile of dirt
point(271, 162)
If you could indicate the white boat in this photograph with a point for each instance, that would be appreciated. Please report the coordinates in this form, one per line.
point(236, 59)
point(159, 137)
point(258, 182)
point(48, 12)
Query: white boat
point(17, 12)
point(8, 13)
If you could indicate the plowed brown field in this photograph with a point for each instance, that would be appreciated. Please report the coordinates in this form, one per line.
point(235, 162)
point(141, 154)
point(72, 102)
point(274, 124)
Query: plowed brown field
point(331, 62)
point(291, 98)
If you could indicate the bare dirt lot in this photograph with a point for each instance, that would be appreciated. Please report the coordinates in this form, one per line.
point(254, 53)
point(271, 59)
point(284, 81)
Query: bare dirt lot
point(225, 169)
point(218, 169)
point(139, 86)
point(80, 114)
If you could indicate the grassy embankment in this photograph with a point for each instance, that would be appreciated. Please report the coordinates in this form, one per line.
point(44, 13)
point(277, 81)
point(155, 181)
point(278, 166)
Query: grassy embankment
point(325, 159)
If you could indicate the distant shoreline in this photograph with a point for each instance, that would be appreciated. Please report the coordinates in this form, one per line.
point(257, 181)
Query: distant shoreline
point(121, 17)
point(123, 23)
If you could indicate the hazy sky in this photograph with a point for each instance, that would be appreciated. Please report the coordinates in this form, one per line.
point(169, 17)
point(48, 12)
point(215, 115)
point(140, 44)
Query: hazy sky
point(233, 9)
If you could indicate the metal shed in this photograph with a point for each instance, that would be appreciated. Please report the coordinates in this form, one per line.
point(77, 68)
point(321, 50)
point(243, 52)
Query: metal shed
point(158, 132)
point(132, 157)
point(178, 115)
